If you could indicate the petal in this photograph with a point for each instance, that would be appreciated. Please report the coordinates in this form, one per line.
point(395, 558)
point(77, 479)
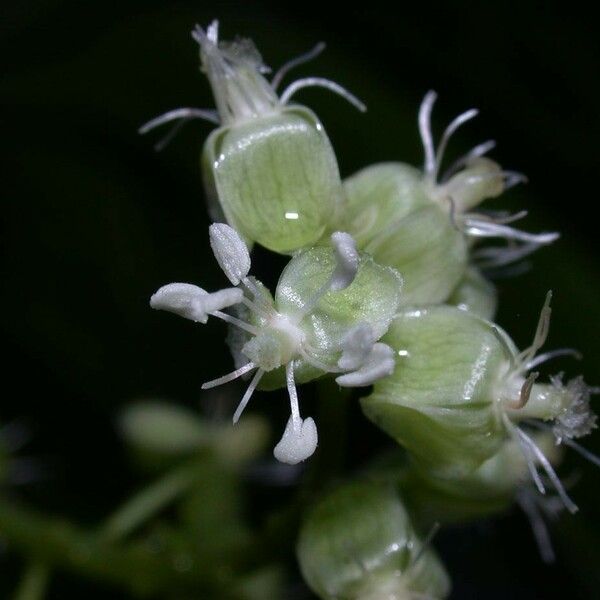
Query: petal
point(181, 299)
point(230, 251)
point(297, 444)
point(192, 302)
point(373, 298)
point(380, 363)
point(347, 259)
point(357, 344)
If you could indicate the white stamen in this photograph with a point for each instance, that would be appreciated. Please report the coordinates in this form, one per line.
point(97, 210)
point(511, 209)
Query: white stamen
point(192, 302)
point(187, 113)
point(380, 363)
point(347, 261)
point(293, 394)
point(545, 463)
point(541, 332)
point(237, 322)
point(297, 444)
point(595, 460)
point(295, 62)
point(425, 131)
point(449, 131)
point(538, 526)
point(477, 227)
point(476, 152)
point(357, 344)
point(529, 459)
point(321, 82)
point(247, 395)
point(229, 377)
point(230, 251)
point(499, 256)
point(584, 452)
point(546, 356)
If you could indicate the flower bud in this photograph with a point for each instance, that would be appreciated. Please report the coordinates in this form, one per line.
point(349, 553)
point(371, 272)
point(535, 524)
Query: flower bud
point(358, 543)
point(460, 388)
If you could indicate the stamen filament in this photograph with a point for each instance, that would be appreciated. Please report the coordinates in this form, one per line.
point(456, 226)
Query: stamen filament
point(538, 526)
point(180, 113)
point(235, 321)
point(449, 131)
point(545, 463)
point(425, 131)
point(542, 358)
point(229, 377)
point(321, 82)
point(296, 62)
point(293, 393)
point(247, 395)
point(475, 152)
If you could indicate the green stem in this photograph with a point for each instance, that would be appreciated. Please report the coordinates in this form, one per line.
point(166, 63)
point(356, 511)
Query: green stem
point(34, 583)
point(148, 502)
point(135, 567)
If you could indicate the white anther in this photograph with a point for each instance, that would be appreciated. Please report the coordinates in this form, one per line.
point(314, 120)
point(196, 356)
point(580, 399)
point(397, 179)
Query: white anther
point(299, 441)
point(380, 363)
point(192, 302)
point(347, 261)
point(230, 250)
point(357, 344)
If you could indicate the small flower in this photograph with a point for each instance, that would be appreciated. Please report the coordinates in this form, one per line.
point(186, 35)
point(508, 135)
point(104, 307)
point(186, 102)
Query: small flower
point(331, 307)
point(567, 407)
point(257, 163)
point(467, 182)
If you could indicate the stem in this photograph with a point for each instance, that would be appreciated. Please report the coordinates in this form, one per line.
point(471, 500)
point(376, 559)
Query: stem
point(34, 583)
point(149, 501)
point(134, 567)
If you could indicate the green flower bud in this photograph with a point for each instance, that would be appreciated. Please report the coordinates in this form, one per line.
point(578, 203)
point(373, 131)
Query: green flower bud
point(460, 389)
point(358, 543)
point(276, 178)
point(269, 169)
point(475, 294)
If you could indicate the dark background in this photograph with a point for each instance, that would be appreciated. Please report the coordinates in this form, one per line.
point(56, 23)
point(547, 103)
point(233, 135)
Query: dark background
point(95, 220)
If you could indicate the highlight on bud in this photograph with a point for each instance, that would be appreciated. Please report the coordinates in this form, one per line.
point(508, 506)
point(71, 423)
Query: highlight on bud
point(358, 543)
point(325, 298)
point(269, 169)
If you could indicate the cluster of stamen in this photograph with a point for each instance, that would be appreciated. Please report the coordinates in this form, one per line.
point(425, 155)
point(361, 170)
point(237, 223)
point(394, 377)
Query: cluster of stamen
point(566, 406)
point(236, 74)
point(468, 181)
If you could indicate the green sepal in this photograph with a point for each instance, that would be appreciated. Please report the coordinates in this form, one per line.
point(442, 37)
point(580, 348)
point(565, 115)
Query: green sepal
point(274, 178)
point(359, 540)
point(380, 194)
point(475, 294)
point(440, 401)
point(489, 490)
point(373, 297)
